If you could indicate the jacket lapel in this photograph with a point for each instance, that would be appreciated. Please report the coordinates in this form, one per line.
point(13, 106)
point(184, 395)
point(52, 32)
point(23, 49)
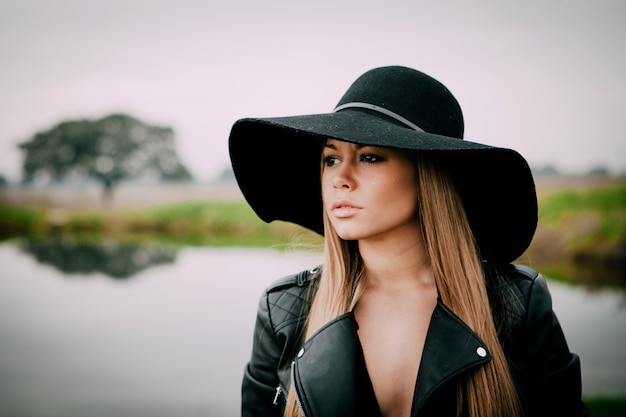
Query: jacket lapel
point(451, 348)
point(324, 369)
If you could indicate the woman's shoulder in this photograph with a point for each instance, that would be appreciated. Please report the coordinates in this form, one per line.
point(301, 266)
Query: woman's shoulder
point(521, 275)
point(524, 279)
point(529, 296)
point(289, 298)
point(299, 281)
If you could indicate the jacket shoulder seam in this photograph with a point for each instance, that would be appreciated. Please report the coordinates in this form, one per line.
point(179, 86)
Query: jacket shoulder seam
point(287, 296)
point(525, 272)
point(301, 279)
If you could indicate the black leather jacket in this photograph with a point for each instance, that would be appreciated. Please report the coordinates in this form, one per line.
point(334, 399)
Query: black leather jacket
point(546, 373)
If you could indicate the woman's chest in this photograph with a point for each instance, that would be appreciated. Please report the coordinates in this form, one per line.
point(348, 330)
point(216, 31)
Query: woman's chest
point(393, 340)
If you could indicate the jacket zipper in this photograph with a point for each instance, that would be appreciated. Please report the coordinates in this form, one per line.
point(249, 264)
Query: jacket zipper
point(295, 389)
point(277, 396)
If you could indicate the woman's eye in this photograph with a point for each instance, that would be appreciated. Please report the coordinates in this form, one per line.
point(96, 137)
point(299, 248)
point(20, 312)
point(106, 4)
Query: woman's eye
point(330, 160)
point(370, 159)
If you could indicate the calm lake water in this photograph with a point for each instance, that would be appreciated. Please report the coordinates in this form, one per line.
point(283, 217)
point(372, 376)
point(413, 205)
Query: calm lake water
point(109, 330)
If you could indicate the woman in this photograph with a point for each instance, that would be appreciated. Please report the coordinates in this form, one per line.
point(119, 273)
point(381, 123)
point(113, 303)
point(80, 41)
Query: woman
point(417, 309)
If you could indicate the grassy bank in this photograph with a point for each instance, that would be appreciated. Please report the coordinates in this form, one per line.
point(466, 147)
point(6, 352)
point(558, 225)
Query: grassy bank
point(582, 234)
point(586, 217)
point(601, 211)
point(187, 223)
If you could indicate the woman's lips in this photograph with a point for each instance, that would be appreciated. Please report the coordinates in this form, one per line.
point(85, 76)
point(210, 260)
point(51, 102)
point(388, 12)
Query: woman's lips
point(344, 208)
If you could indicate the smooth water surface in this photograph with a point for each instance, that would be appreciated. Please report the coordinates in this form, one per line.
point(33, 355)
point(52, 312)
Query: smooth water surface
point(161, 333)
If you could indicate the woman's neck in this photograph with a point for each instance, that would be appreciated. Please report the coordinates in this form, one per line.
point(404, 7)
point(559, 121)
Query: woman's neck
point(397, 260)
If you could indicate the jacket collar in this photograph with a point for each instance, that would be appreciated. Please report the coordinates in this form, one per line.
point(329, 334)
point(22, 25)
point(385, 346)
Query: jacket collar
point(324, 369)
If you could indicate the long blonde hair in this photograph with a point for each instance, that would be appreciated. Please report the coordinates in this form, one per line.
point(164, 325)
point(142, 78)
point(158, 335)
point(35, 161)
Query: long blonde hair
point(488, 391)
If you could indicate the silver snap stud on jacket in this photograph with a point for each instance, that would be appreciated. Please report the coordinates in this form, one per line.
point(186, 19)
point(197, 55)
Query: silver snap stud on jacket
point(481, 351)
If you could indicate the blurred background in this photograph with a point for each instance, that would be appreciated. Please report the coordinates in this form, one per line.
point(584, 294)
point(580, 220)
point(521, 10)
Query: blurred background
point(131, 267)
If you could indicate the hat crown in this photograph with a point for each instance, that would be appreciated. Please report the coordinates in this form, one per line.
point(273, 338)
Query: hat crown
point(412, 95)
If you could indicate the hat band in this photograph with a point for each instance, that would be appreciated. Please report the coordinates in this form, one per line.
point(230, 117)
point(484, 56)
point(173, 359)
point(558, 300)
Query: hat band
point(368, 106)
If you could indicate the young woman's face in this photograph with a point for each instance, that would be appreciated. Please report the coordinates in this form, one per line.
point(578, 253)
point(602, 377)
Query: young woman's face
point(368, 191)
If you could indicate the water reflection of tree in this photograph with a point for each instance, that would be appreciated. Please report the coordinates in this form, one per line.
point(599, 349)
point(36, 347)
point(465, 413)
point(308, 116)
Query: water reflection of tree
point(115, 259)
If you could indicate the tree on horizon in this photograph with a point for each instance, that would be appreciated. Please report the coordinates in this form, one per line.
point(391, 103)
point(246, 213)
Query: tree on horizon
point(109, 150)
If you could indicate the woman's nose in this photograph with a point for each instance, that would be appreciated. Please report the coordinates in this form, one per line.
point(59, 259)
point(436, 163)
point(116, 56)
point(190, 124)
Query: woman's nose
point(344, 176)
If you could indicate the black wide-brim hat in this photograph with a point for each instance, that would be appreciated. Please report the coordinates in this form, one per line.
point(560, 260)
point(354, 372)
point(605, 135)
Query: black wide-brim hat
point(277, 161)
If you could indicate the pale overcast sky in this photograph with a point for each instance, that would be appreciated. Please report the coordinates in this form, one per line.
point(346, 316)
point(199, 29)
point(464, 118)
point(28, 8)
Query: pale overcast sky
point(546, 77)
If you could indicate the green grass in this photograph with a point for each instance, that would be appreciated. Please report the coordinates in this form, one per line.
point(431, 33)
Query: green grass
point(223, 218)
point(606, 407)
point(18, 215)
point(607, 206)
point(217, 222)
point(20, 220)
point(581, 236)
point(197, 223)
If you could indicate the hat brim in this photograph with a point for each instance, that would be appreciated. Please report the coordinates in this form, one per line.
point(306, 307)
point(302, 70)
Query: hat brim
point(277, 163)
